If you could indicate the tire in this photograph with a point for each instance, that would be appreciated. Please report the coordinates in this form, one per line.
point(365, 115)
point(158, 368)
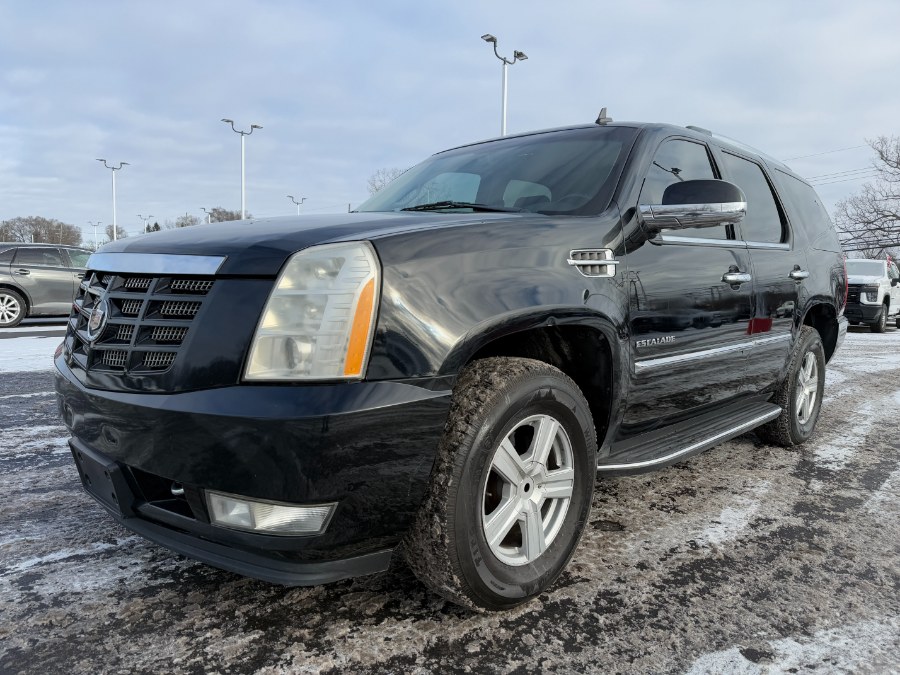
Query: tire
point(879, 324)
point(533, 406)
point(12, 308)
point(797, 421)
point(897, 322)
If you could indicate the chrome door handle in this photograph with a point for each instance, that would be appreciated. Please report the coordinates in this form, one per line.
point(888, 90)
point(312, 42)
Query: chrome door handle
point(23, 273)
point(798, 275)
point(79, 275)
point(736, 277)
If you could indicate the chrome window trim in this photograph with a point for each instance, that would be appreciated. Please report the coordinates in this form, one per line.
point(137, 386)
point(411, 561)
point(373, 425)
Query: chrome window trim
point(696, 241)
point(155, 263)
point(768, 245)
point(756, 421)
point(649, 364)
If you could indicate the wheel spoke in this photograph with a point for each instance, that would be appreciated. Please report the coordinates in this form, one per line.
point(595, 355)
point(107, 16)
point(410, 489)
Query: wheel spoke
point(498, 524)
point(543, 440)
point(533, 541)
point(508, 463)
point(559, 484)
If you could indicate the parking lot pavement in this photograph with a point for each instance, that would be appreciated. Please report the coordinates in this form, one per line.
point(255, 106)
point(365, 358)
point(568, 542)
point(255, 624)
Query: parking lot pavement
point(746, 559)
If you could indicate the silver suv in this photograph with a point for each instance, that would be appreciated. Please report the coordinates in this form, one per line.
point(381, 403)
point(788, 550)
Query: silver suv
point(38, 279)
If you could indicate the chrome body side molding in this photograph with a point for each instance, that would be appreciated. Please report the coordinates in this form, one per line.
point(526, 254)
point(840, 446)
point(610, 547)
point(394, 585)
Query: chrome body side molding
point(649, 364)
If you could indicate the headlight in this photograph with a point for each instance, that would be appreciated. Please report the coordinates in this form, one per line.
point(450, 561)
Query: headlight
point(871, 293)
point(319, 319)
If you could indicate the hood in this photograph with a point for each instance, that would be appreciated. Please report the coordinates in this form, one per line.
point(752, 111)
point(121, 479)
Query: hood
point(864, 279)
point(259, 247)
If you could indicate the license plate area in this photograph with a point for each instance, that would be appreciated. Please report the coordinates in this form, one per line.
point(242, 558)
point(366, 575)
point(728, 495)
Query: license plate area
point(104, 480)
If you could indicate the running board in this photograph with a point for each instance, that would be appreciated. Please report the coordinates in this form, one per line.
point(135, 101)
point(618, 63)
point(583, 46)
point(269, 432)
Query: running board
point(674, 443)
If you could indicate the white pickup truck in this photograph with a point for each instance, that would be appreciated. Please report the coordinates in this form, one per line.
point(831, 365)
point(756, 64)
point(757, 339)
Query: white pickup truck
point(873, 294)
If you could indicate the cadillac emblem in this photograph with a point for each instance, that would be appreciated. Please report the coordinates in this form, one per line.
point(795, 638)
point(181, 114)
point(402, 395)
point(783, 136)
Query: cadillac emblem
point(97, 320)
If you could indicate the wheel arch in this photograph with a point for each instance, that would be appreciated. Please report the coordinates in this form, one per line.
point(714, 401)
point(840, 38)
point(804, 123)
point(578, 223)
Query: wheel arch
point(20, 291)
point(583, 345)
point(823, 317)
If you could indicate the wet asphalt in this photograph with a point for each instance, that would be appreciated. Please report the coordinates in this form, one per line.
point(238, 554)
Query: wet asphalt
point(746, 559)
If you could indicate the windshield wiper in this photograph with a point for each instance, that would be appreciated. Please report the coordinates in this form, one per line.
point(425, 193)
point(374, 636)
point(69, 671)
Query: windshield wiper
point(437, 206)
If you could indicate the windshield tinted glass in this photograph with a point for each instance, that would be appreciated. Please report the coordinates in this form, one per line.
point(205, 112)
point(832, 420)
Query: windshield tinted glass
point(568, 172)
point(868, 268)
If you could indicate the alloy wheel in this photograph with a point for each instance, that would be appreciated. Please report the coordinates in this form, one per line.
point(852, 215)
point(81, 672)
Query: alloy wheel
point(528, 490)
point(807, 388)
point(10, 308)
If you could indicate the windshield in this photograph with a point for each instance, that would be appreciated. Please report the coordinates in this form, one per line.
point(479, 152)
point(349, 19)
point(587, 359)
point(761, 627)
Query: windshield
point(571, 172)
point(867, 268)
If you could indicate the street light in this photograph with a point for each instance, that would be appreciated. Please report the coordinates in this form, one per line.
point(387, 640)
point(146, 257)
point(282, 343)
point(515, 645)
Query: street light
point(114, 169)
point(146, 220)
point(208, 215)
point(96, 225)
point(517, 56)
point(243, 182)
point(302, 199)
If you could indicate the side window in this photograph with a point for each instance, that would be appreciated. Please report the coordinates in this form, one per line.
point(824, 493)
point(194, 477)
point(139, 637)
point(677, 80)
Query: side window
point(763, 222)
point(892, 271)
point(78, 258)
point(48, 257)
point(7, 256)
point(675, 161)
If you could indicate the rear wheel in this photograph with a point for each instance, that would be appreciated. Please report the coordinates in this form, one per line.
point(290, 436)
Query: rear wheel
point(878, 325)
point(800, 394)
point(12, 308)
point(512, 486)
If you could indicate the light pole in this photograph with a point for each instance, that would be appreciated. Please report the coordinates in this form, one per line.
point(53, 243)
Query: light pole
point(517, 56)
point(243, 182)
point(208, 215)
point(114, 169)
point(145, 220)
point(96, 225)
point(302, 199)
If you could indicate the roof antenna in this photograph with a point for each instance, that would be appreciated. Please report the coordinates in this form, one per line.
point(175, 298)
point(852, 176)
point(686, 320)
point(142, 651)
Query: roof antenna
point(602, 119)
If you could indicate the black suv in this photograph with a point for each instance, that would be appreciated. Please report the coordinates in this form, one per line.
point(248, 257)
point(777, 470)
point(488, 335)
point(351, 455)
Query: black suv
point(38, 280)
point(445, 371)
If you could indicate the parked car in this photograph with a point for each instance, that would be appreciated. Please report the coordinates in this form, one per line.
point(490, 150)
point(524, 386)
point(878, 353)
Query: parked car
point(445, 371)
point(873, 295)
point(38, 280)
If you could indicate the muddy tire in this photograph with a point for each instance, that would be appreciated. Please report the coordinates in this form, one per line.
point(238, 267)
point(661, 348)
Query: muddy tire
point(878, 325)
point(511, 487)
point(12, 308)
point(800, 394)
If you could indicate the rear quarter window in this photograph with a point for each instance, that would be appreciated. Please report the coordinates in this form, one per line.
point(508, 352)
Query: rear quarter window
point(6, 256)
point(806, 212)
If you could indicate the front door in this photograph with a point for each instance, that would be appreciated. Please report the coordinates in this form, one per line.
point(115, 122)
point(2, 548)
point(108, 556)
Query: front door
point(688, 325)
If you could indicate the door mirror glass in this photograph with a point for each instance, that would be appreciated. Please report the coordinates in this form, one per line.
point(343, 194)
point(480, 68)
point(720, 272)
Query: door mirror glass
point(696, 203)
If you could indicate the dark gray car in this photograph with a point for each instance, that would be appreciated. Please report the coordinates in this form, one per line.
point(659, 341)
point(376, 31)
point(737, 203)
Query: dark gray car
point(38, 280)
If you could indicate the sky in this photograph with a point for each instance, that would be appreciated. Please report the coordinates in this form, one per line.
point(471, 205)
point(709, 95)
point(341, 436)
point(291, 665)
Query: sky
point(343, 89)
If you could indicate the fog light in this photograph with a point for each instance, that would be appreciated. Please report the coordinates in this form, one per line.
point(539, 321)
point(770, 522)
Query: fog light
point(240, 513)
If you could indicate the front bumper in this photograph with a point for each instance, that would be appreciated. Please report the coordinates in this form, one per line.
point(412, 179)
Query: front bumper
point(857, 311)
point(369, 446)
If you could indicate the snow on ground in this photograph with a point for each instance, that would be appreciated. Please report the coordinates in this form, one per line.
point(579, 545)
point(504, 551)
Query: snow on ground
point(24, 354)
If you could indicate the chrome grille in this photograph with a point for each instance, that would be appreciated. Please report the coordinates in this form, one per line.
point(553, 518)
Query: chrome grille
point(115, 358)
point(131, 307)
point(179, 308)
point(158, 360)
point(168, 334)
point(146, 328)
point(191, 285)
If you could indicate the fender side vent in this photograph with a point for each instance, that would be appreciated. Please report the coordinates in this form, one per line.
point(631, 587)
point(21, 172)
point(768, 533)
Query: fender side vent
point(593, 262)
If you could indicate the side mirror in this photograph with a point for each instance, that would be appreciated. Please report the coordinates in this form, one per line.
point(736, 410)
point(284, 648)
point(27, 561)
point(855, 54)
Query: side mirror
point(695, 203)
point(894, 282)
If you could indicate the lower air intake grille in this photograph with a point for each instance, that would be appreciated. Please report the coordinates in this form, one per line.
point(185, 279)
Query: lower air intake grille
point(115, 359)
point(158, 360)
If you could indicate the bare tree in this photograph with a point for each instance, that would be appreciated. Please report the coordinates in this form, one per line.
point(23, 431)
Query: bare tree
point(869, 221)
point(381, 178)
point(186, 220)
point(120, 233)
point(219, 215)
point(39, 229)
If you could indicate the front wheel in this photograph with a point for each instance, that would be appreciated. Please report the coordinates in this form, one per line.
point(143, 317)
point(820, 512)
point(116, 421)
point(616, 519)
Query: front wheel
point(511, 489)
point(12, 308)
point(800, 394)
point(879, 324)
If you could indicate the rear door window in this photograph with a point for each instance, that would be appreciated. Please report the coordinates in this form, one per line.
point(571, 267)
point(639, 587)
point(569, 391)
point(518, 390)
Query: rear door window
point(763, 222)
point(44, 257)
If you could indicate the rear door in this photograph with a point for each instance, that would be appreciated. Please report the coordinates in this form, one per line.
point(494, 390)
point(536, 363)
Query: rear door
point(45, 275)
point(779, 269)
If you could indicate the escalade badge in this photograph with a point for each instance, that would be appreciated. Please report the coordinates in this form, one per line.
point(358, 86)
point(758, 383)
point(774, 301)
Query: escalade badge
point(97, 320)
point(649, 342)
